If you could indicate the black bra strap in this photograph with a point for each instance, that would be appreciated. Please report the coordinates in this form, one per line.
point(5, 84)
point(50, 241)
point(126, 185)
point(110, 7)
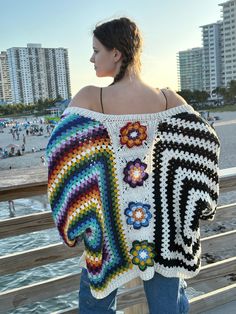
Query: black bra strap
point(165, 98)
point(101, 99)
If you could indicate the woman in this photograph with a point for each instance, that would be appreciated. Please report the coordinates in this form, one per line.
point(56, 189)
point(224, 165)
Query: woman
point(132, 169)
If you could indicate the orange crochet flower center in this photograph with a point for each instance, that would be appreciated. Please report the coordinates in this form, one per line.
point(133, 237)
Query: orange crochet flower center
point(133, 134)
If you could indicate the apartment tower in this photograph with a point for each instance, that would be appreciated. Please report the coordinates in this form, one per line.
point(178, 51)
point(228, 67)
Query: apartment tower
point(212, 56)
point(190, 69)
point(5, 85)
point(38, 73)
point(228, 41)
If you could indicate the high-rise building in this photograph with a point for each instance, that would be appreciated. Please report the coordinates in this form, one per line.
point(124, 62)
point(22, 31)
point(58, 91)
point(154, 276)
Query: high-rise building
point(38, 73)
point(5, 85)
point(212, 52)
point(219, 53)
point(190, 69)
point(228, 41)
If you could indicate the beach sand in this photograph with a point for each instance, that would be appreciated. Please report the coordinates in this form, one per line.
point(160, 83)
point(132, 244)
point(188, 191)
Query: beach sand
point(29, 158)
point(225, 128)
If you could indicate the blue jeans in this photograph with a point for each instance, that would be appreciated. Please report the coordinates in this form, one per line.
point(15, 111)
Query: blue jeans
point(164, 296)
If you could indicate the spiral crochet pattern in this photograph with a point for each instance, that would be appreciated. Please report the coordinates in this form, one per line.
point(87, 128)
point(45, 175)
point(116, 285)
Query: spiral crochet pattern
point(136, 206)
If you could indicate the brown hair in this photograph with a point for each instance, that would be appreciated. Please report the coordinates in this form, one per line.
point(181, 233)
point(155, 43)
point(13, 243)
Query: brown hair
point(124, 35)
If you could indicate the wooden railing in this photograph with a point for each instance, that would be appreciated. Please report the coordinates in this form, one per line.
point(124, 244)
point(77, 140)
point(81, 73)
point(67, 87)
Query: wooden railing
point(30, 182)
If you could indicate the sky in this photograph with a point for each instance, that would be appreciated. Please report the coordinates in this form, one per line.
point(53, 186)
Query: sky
point(166, 26)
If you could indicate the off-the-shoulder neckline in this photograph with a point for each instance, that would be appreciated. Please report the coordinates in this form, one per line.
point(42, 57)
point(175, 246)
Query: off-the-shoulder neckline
point(121, 117)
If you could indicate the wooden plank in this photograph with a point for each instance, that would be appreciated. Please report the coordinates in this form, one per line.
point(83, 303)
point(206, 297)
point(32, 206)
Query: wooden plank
point(227, 179)
point(24, 177)
point(20, 183)
point(37, 257)
point(216, 242)
point(37, 292)
point(215, 270)
point(26, 224)
point(22, 192)
point(213, 299)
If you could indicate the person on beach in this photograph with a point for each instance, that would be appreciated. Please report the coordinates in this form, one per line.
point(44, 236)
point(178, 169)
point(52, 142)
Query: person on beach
point(131, 170)
point(12, 210)
point(23, 148)
point(43, 160)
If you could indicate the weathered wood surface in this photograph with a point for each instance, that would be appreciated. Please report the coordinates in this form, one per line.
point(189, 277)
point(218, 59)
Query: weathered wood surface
point(26, 224)
point(20, 183)
point(214, 270)
point(37, 257)
point(227, 179)
point(24, 177)
point(215, 242)
point(213, 299)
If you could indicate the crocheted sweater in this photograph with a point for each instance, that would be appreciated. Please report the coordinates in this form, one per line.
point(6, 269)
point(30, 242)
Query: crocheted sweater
point(133, 188)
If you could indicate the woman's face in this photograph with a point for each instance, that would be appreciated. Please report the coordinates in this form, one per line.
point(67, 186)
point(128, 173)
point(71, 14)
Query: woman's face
point(106, 63)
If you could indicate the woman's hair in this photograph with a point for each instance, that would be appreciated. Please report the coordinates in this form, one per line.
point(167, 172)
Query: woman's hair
point(124, 35)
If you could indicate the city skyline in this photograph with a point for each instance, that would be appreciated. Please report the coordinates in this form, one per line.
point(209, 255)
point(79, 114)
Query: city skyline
point(166, 28)
point(36, 73)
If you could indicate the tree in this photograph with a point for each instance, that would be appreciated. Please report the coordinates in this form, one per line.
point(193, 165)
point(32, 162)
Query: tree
point(232, 91)
point(200, 96)
point(194, 97)
point(228, 93)
point(186, 94)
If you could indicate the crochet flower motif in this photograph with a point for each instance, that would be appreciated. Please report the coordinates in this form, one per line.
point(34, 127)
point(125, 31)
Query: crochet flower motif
point(138, 214)
point(135, 173)
point(133, 134)
point(143, 254)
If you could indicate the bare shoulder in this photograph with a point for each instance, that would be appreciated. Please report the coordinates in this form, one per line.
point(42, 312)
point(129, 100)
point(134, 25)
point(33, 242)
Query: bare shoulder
point(174, 99)
point(85, 98)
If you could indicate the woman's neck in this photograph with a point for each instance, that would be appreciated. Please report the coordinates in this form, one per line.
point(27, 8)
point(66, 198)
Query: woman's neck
point(130, 78)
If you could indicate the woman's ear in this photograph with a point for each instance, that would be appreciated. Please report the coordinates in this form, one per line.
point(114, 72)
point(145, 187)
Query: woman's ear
point(117, 55)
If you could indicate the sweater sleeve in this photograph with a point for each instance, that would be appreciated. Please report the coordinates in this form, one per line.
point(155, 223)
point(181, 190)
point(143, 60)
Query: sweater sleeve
point(65, 174)
point(212, 191)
